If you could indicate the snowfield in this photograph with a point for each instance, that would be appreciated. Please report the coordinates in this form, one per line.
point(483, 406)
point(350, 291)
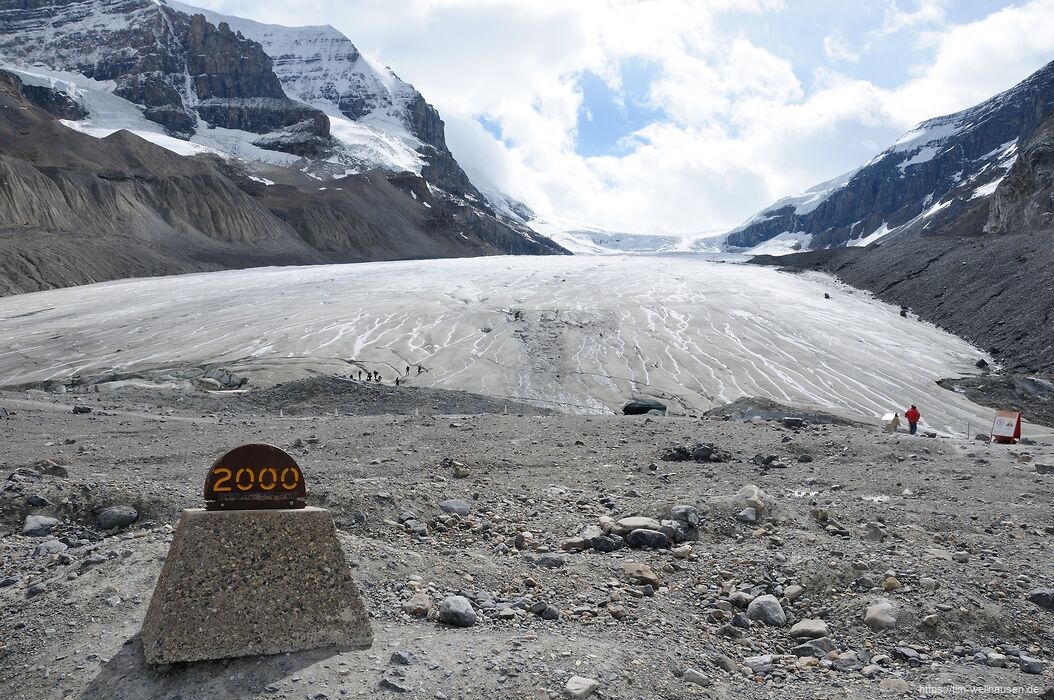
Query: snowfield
point(581, 334)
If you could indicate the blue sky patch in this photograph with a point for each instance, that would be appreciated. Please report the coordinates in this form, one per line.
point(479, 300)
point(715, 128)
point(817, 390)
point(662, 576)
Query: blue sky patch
point(609, 115)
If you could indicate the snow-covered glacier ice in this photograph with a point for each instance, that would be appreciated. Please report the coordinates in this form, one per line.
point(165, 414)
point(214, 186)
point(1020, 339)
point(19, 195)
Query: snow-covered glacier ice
point(580, 334)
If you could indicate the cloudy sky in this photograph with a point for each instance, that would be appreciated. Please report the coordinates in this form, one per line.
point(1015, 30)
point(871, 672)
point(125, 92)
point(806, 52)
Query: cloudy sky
point(680, 116)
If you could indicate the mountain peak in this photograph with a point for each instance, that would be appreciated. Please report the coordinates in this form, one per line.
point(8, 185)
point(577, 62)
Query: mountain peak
point(929, 175)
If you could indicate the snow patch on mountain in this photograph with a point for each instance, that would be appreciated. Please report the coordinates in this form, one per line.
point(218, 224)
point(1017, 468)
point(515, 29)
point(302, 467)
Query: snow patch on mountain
point(319, 66)
point(108, 113)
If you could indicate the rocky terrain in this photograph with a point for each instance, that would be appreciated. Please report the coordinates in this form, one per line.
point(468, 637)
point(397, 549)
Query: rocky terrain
point(544, 556)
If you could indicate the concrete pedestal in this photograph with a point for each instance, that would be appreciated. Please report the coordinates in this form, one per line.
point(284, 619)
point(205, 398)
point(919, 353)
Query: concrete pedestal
point(247, 582)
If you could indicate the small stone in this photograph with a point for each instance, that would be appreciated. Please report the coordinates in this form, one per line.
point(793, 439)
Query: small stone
point(767, 609)
point(116, 516)
point(1031, 665)
point(606, 543)
point(580, 687)
point(38, 525)
point(880, 616)
point(961, 557)
point(550, 561)
point(640, 573)
point(507, 614)
point(457, 611)
point(874, 532)
point(895, 684)
point(811, 628)
point(395, 686)
point(891, 583)
point(456, 506)
point(747, 515)
point(740, 599)
point(574, 544)
point(8, 581)
point(113, 601)
point(930, 584)
point(685, 514)
point(793, 592)
point(401, 658)
point(759, 665)
point(1043, 597)
point(50, 547)
point(35, 590)
point(805, 458)
point(818, 648)
point(697, 677)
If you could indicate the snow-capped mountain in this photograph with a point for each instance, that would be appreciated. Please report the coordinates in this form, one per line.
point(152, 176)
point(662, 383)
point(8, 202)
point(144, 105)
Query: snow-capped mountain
point(280, 96)
point(381, 120)
point(930, 175)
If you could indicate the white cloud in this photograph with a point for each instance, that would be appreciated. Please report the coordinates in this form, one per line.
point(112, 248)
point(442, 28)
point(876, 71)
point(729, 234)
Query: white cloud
point(741, 128)
point(838, 49)
point(926, 12)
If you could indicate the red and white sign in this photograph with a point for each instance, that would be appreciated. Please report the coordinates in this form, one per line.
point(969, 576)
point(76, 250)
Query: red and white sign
point(1007, 426)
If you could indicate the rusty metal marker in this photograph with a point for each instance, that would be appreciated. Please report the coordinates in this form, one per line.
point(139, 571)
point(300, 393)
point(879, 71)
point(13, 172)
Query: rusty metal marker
point(255, 476)
point(255, 572)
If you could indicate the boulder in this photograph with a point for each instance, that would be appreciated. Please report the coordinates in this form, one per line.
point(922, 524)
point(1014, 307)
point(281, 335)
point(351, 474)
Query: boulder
point(653, 539)
point(417, 605)
point(606, 543)
point(627, 525)
point(641, 407)
point(457, 611)
point(580, 687)
point(880, 616)
point(38, 525)
point(767, 610)
point(50, 547)
point(640, 573)
point(116, 516)
point(750, 496)
point(1043, 597)
point(811, 628)
point(685, 514)
point(456, 506)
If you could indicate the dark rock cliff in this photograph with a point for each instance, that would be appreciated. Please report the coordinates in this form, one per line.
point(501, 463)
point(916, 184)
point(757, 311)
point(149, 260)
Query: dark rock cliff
point(1024, 200)
point(178, 67)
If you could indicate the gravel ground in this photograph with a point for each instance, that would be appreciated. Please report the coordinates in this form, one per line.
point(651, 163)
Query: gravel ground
point(954, 534)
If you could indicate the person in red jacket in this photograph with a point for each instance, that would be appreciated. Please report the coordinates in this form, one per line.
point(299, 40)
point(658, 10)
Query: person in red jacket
point(913, 415)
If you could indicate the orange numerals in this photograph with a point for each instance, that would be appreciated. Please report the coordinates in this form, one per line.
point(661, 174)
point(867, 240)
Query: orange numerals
point(247, 477)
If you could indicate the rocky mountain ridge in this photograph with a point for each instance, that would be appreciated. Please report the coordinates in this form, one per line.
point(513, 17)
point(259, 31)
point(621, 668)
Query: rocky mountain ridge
point(321, 67)
point(80, 209)
point(928, 178)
